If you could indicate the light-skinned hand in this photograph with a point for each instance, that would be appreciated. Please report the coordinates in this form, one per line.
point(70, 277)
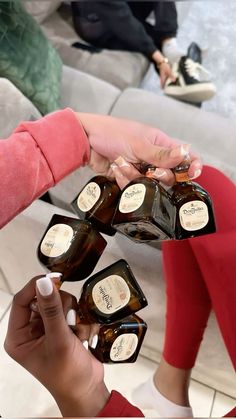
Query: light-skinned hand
point(111, 138)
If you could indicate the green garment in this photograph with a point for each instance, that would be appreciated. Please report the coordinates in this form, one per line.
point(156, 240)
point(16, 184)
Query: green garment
point(27, 57)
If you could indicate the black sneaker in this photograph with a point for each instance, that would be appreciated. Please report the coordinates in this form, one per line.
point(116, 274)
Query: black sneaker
point(190, 85)
point(194, 52)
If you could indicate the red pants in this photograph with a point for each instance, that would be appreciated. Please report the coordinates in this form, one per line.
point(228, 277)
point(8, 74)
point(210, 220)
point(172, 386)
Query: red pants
point(201, 275)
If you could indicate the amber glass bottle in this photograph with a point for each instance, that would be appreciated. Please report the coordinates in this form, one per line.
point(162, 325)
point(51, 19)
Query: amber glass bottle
point(145, 212)
point(110, 295)
point(120, 341)
point(70, 246)
point(97, 202)
point(194, 208)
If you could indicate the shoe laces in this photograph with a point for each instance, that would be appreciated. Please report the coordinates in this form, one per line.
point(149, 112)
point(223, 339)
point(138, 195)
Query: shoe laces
point(196, 70)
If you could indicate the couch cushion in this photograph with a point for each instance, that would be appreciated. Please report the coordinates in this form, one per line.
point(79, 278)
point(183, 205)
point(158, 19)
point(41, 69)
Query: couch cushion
point(27, 58)
point(14, 107)
point(210, 134)
point(86, 93)
point(120, 68)
point(83, 93)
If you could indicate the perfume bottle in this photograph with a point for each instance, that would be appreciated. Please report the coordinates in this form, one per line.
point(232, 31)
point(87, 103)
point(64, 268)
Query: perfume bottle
point(121, 341)
point(194, 209)
point(145, 212)
point(70, 246)
point(97, 202)
point(110, 295)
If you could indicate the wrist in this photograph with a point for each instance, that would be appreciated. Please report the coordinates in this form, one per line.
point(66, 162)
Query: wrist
point(159, 58)
point(163, 61)
point(90, 403)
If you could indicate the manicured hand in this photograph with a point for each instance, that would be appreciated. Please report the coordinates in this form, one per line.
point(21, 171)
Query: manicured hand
point(111, 138)
point(46, 346)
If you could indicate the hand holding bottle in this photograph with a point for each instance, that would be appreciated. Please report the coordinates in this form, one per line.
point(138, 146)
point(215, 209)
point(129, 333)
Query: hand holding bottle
point(46, 347)
point(111, 138)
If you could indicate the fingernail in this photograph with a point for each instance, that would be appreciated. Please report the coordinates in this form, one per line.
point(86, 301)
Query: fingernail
point(85, 344)
point(159, 173)
point(180, 151)
point(196, 173)
point(116, 171)
point(113, 166)
point(56, 278)
point(34, 306)
point(121, 162)
point(94, 341)
point(52, 275)
point(184, 149)
point(71, 317)
point(44, 285)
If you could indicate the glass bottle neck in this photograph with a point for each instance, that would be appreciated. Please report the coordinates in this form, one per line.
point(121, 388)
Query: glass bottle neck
point(149, 172)
point(182, 177)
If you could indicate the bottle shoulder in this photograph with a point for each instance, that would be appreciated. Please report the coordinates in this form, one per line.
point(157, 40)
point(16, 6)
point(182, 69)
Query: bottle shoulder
point(188, 191)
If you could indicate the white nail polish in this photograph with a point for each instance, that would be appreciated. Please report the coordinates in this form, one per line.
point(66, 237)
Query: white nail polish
point(159, 173)
point(121, 162)
point(44, 285)
point(94, 341)
point(85, 344)
point(71, 317)
point(196, 173)
point(184, 149)
point(113, 166)
point(34, 306)
point(52, 275)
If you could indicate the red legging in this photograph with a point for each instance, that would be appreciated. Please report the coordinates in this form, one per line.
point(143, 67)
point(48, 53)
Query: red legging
point(201, 275)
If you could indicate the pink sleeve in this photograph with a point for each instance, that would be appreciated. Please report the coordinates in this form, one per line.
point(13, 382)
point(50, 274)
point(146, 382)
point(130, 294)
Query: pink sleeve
point(118, 406)
point(38, 155)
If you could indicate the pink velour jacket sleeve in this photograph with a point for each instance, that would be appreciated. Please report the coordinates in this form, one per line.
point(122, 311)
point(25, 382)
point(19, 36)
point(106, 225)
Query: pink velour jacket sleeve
point(36, 156)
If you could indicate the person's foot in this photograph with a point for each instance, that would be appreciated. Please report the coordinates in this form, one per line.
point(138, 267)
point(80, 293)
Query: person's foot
point(190, 84)
point(146, 396)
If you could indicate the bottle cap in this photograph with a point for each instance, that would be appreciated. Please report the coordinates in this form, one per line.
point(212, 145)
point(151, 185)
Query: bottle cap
point(149, 171)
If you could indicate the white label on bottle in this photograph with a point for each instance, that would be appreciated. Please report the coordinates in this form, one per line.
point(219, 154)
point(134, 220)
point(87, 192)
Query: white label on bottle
point(57, 240)
point(123, 347)
point(111, 294)
point(89, 196)
point(132, 198)
point(193, 215)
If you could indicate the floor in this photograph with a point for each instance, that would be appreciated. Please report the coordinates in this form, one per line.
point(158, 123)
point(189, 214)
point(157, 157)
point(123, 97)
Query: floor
point(213, 28)
point(17, 397)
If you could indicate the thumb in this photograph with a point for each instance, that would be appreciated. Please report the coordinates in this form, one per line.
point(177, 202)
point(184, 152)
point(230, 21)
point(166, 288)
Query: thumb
point(51, 311)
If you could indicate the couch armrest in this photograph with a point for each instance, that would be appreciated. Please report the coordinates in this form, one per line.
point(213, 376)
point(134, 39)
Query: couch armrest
point(14, 107)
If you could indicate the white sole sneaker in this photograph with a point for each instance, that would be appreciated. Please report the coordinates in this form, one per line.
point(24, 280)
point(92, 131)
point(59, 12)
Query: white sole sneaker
point(194, 93)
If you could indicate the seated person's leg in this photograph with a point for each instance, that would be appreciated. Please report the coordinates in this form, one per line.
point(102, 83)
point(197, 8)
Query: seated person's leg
point(215, 254)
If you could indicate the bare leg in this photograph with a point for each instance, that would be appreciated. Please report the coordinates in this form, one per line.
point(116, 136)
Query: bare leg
point(173, 383)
